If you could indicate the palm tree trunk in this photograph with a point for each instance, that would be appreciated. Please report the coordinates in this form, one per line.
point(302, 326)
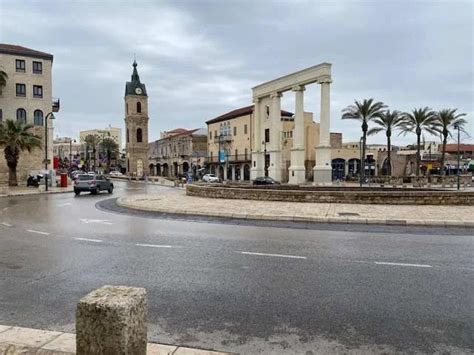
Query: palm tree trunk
point(443, 155)
point(364, 139)
point(12, 180)
point(389, 163)
point(418, 157)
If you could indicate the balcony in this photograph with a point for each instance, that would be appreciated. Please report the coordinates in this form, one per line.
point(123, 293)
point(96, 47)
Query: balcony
point(56, 105)
point(224, 138)
point(232, 158)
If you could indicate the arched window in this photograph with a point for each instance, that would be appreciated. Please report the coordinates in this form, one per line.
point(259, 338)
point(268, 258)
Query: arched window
point(128, 136)
point(126, 108)
point(21, 115)
point(38, 118)
point(139, 135)
point(139, 107)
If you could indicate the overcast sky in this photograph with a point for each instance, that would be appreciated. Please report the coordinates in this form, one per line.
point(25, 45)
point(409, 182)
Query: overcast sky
point(200, 59)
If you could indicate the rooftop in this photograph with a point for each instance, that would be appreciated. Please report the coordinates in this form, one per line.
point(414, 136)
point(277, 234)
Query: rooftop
point(248, 110)
point(23, 51)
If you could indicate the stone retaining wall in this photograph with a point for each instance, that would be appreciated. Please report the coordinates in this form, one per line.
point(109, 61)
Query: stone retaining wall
point(321, 195)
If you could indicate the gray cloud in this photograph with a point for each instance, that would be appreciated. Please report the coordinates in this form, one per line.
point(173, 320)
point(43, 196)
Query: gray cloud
point(200, 59)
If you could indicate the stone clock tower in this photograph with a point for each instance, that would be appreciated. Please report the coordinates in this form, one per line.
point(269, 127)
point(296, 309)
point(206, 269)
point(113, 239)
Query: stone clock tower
point(136, 125)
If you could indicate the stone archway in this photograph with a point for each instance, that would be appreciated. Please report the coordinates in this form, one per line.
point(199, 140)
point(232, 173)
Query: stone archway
point(185, 167)
point(166, 171)
point(338, 169)
point(158, 169)
point(246, 172)
point(221, 172)
point(151, 169)
point(353, 167)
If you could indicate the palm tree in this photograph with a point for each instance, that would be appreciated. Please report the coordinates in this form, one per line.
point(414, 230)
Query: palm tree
point(3, 80)
point(388, 121)
point(447, 120)
point(92, 141)
point(422, 119)
point(15, 137)
point(110, 148)
point(363, 111)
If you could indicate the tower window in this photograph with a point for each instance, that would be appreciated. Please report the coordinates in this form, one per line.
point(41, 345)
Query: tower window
point(139, 135)
point(128, 135)
point(21, 115)
point(126, 108)
point(139, 107)
point(38, 118)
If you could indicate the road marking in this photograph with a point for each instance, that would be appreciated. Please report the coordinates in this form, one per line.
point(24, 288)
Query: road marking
point(89, 240)
point(276, 255)
point(401, 264)
point(6, 224)
point(99, 221)
point(37, 232)
point(64, 204)
point(154, 245)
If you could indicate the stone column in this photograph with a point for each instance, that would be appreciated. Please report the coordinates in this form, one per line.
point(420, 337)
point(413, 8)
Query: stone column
point(225, 171)
point(322, 170)
point(233, 173)
point(297, 168)
point(256, 167)
point(274, 148)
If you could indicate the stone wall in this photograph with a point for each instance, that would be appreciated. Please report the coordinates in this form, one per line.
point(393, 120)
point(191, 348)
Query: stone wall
point(336, 195)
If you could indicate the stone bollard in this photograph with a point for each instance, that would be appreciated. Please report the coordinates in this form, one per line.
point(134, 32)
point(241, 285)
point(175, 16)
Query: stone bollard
point(112, 320)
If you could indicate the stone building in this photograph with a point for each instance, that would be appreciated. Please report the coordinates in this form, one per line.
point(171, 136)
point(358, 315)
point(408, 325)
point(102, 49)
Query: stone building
point(114, 133)
point(27, 97)
point(65, 149)
point(136, 124)
point(178, 151)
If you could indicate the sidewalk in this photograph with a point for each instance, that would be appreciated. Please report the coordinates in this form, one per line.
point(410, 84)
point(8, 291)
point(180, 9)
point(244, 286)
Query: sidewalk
point(177, 202)
point(23, 190)
point(17, 340)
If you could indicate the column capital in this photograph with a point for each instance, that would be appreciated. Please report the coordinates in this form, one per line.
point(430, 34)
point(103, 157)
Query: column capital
point(275, 95)
point(298, 88)
point(325, 80)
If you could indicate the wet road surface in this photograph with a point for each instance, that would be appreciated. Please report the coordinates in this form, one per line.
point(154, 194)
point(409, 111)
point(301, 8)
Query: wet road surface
point(243, 287)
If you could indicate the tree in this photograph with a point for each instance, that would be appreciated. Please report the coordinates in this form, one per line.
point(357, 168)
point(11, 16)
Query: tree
point(3, 80)
point(447, 120)
point(91, 141)
point(111, 148)
point(15, 137)
point(388, 121)
point(363, 111)
point(422, 119)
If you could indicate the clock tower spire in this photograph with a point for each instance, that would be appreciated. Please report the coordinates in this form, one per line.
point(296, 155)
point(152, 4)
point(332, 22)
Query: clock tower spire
point(136, 125)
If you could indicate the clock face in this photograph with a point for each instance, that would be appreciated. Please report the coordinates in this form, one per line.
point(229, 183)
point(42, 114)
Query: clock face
point(138, 91)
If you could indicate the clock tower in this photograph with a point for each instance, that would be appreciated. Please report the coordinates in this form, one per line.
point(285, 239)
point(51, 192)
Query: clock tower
point(136, 125)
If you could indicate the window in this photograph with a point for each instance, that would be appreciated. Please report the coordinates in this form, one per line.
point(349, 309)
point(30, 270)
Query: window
point(20, 90)
point(1, 115)
point(20, 65)
point(215, 134)
point(37, 68)
point(139, 107)
point(267, 110)
point(236, 153)
point(235, 131)
point(128, 136)
point(245, 129)
point(38, 118)
point(267, 135)
point(139, 135)
point(210, 135)
point(126, 108)
point(21, 115)
point(37, 91)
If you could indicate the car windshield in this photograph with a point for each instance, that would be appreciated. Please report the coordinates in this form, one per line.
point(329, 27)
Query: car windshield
point(86, 177)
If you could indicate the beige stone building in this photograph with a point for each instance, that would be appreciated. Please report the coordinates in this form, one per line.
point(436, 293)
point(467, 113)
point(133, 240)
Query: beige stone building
point(178, 152)
point(114, 133)
point(66, 149)
point(136, 125)
point(27, 97)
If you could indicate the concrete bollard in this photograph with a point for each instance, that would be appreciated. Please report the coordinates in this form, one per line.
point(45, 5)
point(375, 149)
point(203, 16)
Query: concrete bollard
point(112, 320)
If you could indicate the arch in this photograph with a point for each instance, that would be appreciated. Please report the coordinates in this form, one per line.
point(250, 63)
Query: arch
point(165, 170)
point(353, 167)
point(185, 167)
point(128, 135)
point(139, 135)
point(220, 174)
point(213, 169)
point(229, 172)
point(21, 115)
point(238, 175)
point(338, 169)
point(152, 169)
point(139, 107)
point(38, 118)
point(158, 169)
point(246, 172)
point(385, 168)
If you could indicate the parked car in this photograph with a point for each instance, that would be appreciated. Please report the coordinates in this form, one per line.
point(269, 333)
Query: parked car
point(210, 178)
point(115, 173)
point(92, 184)
point(265, 180)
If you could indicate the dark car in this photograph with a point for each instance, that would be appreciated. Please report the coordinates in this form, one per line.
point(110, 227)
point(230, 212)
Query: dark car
point(92, 184)
point(265, 180)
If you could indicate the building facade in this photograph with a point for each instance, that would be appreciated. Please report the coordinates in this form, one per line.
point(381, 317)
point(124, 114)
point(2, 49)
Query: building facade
point(67, 152)
point(114, 133)
point(136, 125)
point(27, 97)
point(178, 152)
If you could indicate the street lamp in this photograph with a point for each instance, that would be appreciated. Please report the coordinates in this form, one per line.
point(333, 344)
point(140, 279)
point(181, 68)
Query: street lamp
point(49, 115)
point(362, 161)
point(70, 152)
point(456, 126)
point(265, 166)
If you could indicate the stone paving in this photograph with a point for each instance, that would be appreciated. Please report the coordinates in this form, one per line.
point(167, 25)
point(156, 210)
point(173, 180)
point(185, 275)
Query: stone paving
point(18, 340)
point(176, 201)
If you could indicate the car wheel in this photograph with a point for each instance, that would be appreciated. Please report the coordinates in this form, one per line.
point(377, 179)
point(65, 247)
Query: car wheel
point(111, 189)
point(77, 192)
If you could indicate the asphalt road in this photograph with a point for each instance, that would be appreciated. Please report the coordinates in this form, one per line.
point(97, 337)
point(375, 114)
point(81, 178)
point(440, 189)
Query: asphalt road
point(249, 288)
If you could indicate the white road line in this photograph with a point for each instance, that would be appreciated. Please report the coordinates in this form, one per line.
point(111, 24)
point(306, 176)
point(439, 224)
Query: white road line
point(100, 221)
point(6, 224)
point(401, 264)
point(64, 204)
point(37, 232)
point(154, 245)
point(89, 240)
point(275, 255)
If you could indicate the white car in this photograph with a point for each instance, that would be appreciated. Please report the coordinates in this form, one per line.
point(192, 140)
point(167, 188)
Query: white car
point(116, 173)
point(210, 178)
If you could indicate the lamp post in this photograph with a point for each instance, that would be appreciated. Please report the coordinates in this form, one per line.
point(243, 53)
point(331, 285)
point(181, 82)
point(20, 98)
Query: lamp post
point(362, 161)
point(70, 152)
point(459, 156)
point(49, 115)
point(265, 166)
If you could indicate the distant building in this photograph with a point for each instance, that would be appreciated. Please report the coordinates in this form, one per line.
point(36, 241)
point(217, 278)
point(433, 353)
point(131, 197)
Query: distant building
point(177, 152)
point(65, 148)
point(27, 97)
point(114, 133)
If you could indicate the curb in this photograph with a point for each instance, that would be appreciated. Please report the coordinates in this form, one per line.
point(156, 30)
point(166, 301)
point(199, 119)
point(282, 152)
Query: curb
point(35, 193)
point(305, 219)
